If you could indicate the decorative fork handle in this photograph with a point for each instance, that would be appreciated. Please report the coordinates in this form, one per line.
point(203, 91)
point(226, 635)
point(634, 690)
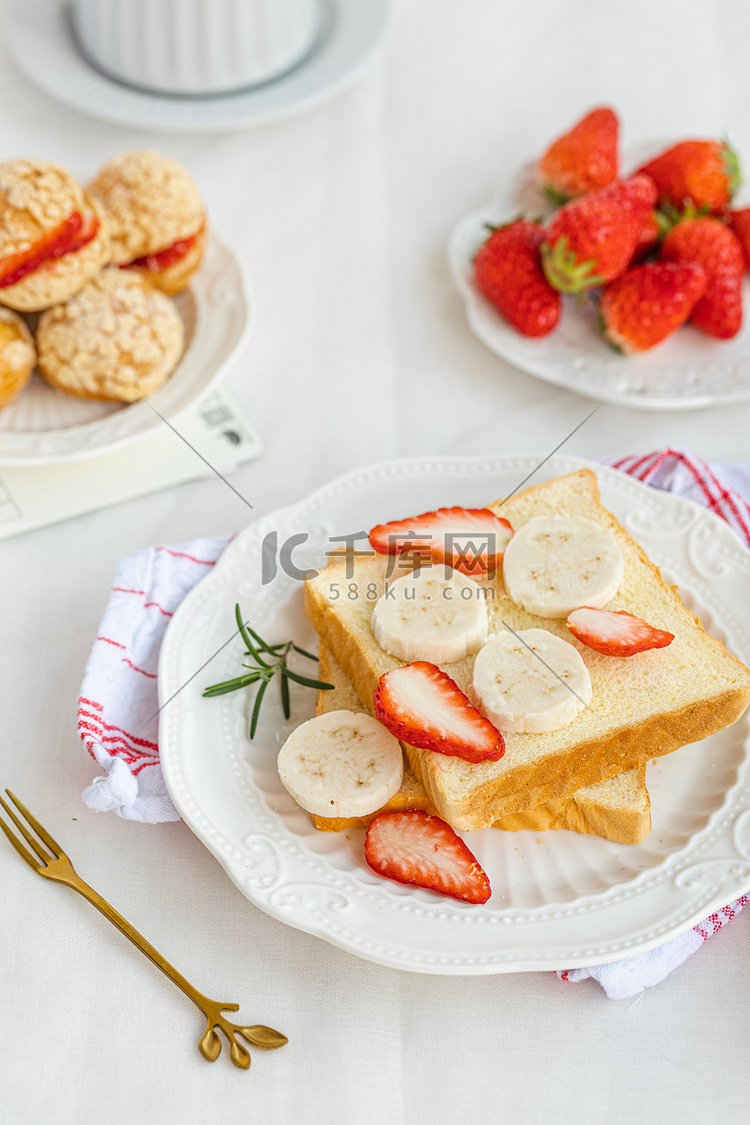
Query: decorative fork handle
point(210, 1044)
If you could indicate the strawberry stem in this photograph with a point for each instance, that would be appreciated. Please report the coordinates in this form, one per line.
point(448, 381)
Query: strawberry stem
point(563, 270)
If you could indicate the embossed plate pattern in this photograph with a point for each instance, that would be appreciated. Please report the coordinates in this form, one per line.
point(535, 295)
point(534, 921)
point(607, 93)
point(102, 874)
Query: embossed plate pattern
point(687, 371)
point(559, 899)
point(45, 425)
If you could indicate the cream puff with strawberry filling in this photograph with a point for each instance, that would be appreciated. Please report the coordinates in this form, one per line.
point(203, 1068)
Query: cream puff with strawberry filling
point(155, 214)
point(52, 237)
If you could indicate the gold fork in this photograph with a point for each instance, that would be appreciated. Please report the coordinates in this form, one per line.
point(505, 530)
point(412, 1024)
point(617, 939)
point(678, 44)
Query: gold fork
point(54, 864)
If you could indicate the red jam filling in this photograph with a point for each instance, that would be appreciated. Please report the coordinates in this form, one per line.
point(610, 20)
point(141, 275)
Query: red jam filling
point(155, 263)
point(71, 235)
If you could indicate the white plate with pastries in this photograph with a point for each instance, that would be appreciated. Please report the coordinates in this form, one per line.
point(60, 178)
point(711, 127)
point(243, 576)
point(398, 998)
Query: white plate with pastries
point(688, 371)
point(100, 364)
point(560, 899)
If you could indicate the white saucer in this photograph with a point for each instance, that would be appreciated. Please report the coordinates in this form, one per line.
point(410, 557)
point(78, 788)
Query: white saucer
point(39, 35)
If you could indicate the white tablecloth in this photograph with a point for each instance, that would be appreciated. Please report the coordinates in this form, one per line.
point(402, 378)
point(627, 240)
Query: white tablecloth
point(361, 352)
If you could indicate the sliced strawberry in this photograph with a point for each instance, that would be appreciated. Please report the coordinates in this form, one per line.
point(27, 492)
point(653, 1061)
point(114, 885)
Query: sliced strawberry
point(155, 263)
point(615, 632)
point(89, 229)
point(423, 706)
point(471, 540)
point(77, 230)
point(414, 847)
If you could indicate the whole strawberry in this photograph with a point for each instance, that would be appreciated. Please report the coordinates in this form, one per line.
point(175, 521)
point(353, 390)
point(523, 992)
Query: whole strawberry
point(583, 159)
point(591, 240)
point(508, 271)
point(739, 221)
point(711, 244)
point(704, 173)
point(645, 305)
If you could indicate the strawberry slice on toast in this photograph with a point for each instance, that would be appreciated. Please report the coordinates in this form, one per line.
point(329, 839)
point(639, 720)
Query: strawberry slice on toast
point(471, 540)
point(615, 632)
point(423, 706)
point(414, 847)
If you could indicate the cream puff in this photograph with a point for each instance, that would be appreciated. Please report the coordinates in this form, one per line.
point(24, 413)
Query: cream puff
point(52, 238)
point(17, 356)
point(118, 339)
point(156, 217)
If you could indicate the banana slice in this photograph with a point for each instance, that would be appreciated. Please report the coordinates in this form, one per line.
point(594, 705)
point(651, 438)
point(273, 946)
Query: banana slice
point(530, 681)
point(433, 614)
point(555, 564)
point(341, 764)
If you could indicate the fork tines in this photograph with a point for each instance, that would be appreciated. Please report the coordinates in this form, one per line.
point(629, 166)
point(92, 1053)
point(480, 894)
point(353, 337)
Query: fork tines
point(42, 833)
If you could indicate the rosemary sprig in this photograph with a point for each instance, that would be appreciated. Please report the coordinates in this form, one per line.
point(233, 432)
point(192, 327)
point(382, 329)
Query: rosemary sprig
point(263, 669)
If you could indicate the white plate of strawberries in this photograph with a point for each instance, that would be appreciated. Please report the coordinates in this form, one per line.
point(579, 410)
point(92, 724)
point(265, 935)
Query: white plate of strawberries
point(622, 279)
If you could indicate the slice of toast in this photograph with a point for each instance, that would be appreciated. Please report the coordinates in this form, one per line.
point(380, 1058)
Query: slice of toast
point(643, 706)
point(618, 809)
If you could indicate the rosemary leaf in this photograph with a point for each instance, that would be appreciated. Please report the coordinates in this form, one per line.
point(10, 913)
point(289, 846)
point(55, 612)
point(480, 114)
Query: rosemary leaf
point(304, 652)
point(251, 650)
point(262, 645)
point(230, 685)
point(306, 681)
point(256, 706)
point(284, 683)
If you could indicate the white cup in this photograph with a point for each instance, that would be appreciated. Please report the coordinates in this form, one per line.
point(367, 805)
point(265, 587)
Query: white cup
point(194, 47)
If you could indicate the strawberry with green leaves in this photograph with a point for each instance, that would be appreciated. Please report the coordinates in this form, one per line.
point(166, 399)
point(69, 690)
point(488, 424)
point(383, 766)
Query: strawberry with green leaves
point(710, 243)
point(591, 240)
point(704, 173)
point(508, 272)
point(583, 159)
point(648, 303)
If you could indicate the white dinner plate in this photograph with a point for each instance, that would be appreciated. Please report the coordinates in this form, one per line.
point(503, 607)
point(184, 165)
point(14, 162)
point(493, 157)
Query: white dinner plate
point(45, 425)
point(40, 37)
point(559, 899)
point(687, 371)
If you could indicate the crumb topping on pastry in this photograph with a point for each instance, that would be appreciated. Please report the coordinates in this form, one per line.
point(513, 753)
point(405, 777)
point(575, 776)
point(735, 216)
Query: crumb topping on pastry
point(151, 202)
point(35, 197)
point(117, 338)
point(17, 350)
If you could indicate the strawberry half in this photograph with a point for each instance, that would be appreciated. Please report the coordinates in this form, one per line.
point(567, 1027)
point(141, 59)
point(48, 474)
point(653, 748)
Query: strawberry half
point(583, 159)
point(615, 632)
point(471, 540)
point(423, 706)
point(414, 847)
